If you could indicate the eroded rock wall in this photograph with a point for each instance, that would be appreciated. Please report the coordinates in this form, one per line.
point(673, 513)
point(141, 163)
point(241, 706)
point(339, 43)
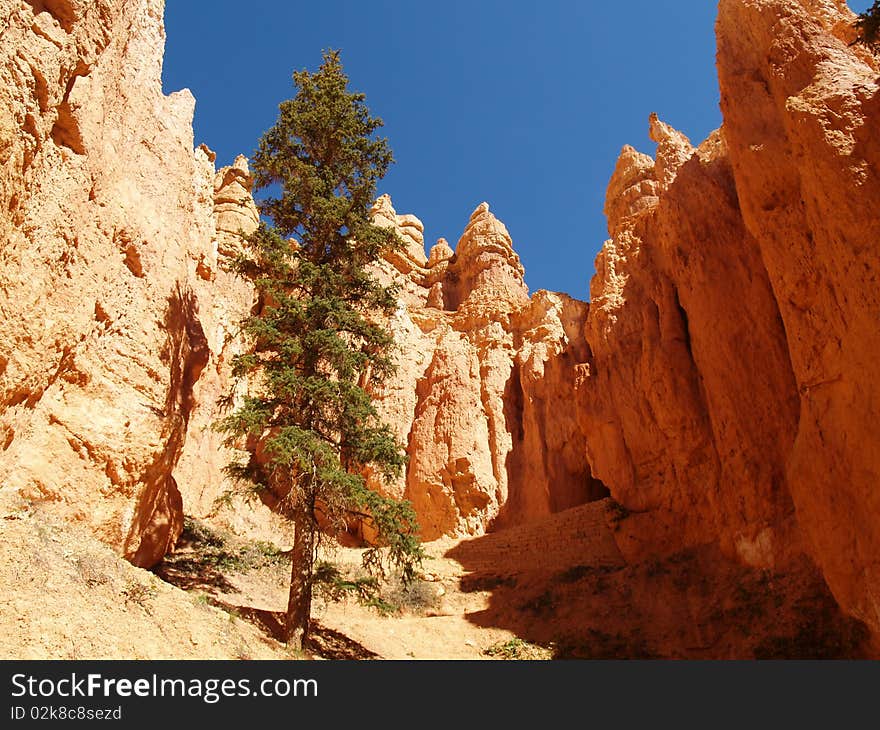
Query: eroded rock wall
point(733, 324)
point(119, 312)
point(107, 214)
point(689, 401)
point(805, 157)
point(485, 372)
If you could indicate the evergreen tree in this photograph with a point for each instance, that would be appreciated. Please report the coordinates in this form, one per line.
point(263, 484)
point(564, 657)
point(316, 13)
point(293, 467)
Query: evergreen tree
point(319, 336)
point(868, 25)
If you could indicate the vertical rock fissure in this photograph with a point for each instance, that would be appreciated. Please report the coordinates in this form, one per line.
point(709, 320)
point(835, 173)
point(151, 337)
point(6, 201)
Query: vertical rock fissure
point(65, 132)
point(685, 326)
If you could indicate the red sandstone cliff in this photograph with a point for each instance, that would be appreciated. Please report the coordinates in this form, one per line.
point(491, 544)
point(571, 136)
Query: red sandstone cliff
point(733, 322)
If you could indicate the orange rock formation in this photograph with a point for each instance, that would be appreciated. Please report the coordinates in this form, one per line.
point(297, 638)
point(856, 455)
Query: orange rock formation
point(805, 157)
point(485, 373)
point(109, 317)
point(722, 377)
point(733, 322)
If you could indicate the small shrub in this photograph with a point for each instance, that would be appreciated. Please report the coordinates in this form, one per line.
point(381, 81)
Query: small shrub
point(541, 605)
point(595, 644)
point(139, 593)
point(91, 573)
point(482, 582)
point(332, 585)
point(222, 551)
point(516, 649)
point(198, 533)
point(418, 597)
point(388, 597)
point(617, 513)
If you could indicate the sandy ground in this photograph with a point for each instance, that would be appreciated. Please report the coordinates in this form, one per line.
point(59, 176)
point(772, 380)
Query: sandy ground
point(431, 621)
point(68, 596)
point(558, 587)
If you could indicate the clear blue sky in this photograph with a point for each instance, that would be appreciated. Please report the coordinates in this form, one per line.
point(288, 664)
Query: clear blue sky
point(523, 104)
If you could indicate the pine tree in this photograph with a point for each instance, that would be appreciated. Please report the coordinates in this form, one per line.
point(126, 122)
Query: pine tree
point(319, 337)
point(868, 25)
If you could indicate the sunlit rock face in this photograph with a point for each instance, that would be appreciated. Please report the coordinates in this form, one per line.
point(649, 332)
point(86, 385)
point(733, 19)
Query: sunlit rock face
point(484, 382)
point(110, 248)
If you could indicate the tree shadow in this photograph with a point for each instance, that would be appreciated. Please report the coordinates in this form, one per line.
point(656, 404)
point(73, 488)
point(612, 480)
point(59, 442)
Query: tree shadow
point(189, 572)
point(269, 622)
point(332, 644)
point(323, 641)
point(198, 560)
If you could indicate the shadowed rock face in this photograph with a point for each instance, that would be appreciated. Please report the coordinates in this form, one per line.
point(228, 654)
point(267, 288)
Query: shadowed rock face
point(805, 157)
point(679, 416)
point(733, 322)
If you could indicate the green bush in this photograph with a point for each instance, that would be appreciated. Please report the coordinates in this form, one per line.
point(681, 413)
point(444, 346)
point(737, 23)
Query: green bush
point(868, 25)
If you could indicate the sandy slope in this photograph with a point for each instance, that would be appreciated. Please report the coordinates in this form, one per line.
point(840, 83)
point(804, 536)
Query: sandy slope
point(68, 596)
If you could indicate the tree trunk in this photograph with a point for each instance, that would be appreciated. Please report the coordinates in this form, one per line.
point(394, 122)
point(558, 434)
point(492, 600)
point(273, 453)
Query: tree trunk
point(299, 603)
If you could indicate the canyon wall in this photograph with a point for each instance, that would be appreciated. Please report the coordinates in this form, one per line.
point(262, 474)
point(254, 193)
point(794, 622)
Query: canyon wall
point(109, 234)
point(733, 323)
point(117, 326)
point(720, 381)
point(805, 157)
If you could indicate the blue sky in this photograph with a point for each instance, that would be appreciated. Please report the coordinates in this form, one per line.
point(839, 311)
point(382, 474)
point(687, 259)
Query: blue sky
point(522, 104)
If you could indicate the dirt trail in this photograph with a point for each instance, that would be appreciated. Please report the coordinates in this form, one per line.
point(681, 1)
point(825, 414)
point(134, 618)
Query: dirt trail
point(436, 620)
point(555, 587)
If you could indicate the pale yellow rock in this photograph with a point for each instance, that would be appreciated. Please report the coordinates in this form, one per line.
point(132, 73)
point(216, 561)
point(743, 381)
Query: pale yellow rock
point(673, 150)
point(440, 252)
point(206, 491)
point(108, 216)
point(235, 213)
point(411, 259)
